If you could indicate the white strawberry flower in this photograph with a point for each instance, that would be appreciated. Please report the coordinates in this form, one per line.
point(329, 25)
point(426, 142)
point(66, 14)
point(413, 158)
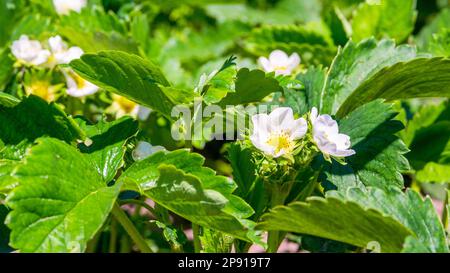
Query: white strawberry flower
point(60, 51)
point(77, 86)
point(64, 7)
point(276, 134)
point(144, 149)
point(29, 52)
point(327, 137)
point(280, 62)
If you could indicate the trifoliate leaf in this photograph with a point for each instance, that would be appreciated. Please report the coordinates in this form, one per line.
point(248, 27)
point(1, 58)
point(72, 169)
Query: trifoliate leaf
point(57, 207)
point(354, 64)
point(313, 80)
point(379, 158)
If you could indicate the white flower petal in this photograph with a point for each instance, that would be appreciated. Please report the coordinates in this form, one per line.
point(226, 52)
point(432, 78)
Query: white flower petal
point(294, 61)
point(56, 44)
point(265, 64)
point(300, 128)
point(143, 112)
point(278, 58)
point(64, 7)
point(281, 118)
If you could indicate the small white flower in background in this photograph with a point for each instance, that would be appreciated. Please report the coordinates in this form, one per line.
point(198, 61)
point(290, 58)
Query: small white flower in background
point(276, 134)
point(64, 7)
point(144, 149)
point(280, 62)
point(29, 52)
point(141, 112)
point(327, 137)
point(61, 53)
point(77, 86)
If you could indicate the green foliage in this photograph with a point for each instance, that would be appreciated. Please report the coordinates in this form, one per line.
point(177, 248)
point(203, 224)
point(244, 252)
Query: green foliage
point(132, 77)
point(356, 63)
point(384, 19)
point(379, 158)
point(178, 182)
point(418, 78)
point(431, 159)
point(106, 144)
point(250, 86)
point(63, 209)
point(312, 42)
point(33, 118)
point(360, 217)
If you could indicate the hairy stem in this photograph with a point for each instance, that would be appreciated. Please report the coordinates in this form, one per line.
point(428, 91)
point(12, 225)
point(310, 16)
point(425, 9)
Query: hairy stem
point(129, 227)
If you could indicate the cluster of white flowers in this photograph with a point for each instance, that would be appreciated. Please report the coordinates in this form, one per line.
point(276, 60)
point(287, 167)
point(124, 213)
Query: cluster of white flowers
point(280, 63)
point(32, 53)
point(64, 7)
point(277, 134)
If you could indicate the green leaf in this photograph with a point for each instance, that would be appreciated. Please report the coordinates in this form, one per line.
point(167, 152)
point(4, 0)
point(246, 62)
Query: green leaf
point(8, 100)
point(221, 83)
point(33, 117)
point(7, 181)
point(96, 41)
point(6, 68)
point(339, 220)
point(428, 136)
point(133, 77)
point(362, 218)
point(284, 12)
point(57, 207)
point(4, 231)
point(178, 181)
point(108, 144)
point(354, 64)
point(313, 80)
point(419, 78)
point(314, 45)
point(244, 173)
point(387, 19)
point(251, 86)
point(379, 158)
point(215, 242)
point(425, 37)
point(410, 209)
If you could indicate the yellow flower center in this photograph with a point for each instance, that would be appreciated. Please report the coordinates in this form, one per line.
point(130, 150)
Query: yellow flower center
point(126, 105)
point(42, 89)
point(280, 142)
point(282, 68)
point(81, 83)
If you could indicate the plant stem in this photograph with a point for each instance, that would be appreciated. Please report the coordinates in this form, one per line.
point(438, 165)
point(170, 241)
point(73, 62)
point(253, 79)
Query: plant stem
point(140, 203)
point(129, 227)
point(113, 236)
point(196, 233)
point(279, 193)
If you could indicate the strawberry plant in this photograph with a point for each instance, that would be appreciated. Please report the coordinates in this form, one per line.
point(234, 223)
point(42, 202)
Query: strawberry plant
point(224, 126)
